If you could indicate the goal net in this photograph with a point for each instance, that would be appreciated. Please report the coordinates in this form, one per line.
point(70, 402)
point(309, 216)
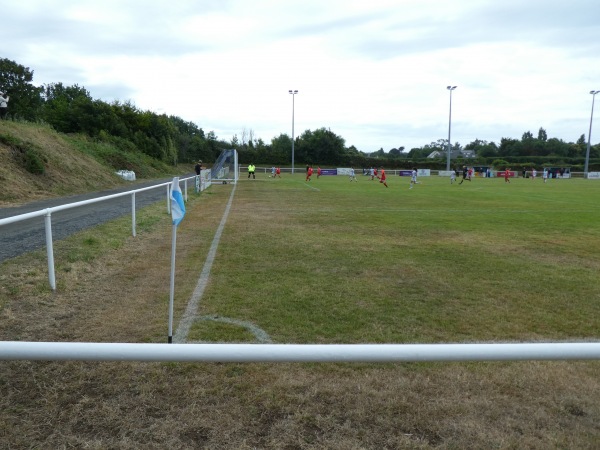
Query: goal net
point(225, 168)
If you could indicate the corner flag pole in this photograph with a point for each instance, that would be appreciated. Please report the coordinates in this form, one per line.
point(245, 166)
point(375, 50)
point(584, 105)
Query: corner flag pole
point(177, 213)
point(172, 291)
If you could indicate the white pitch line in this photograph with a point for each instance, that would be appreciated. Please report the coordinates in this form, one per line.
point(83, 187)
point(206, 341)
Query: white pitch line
point(192, 308)
point(260, 335)
point(313, 188)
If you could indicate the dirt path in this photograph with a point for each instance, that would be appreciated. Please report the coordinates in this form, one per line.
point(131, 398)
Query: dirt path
point(29, 235)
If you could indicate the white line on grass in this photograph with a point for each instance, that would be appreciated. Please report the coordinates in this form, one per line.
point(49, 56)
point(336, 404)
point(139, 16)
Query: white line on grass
point(313, 188)
point(192, 308)
point(260, 335)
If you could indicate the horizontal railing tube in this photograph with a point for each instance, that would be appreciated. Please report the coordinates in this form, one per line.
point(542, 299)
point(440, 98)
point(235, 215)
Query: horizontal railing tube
point(380, 353)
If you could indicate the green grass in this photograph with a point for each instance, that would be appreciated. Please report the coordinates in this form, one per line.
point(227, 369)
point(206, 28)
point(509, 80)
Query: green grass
point(335, 261)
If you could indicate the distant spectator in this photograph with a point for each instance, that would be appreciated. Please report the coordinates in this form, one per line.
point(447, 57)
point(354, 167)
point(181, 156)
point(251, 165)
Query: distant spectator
point(198, 167)
point(3, 105)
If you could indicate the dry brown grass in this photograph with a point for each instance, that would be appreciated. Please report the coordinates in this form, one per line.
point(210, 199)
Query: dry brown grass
point(121, 295)
point(72, 165)
point(67, 171)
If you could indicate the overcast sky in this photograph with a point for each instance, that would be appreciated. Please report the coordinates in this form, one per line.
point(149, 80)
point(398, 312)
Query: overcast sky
point(373, 71)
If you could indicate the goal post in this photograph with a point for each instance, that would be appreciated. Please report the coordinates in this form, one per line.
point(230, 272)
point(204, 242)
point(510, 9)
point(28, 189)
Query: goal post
point(225, 169)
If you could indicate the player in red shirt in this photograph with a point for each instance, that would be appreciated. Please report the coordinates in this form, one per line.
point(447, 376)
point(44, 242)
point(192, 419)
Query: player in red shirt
point(318, 172)
point(382, 177)
point(309, 172)
point(507, 175)
point(277, 172)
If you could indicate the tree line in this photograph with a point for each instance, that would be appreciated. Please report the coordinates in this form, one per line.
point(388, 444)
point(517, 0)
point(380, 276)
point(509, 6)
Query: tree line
point(171, 139)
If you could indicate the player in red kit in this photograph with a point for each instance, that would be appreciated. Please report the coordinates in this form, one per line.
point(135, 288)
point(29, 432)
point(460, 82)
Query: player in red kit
point(382, 177)
point(309, 172)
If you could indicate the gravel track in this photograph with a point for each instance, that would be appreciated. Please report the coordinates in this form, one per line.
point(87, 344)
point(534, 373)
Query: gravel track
point(29, 235)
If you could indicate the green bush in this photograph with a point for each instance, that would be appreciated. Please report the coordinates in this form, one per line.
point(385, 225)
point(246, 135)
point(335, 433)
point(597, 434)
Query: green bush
point(25, 153)
point(33, 162)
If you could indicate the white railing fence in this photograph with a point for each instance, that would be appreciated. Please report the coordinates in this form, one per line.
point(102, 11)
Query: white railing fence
point(379, 353)
point(200, 184)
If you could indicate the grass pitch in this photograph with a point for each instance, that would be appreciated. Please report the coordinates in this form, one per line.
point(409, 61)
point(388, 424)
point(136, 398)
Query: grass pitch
point(325, 261)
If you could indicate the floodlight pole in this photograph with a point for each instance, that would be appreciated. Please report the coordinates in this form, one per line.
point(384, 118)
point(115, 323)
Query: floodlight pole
point(293, 92)
point(450, 88)
point(587, 153)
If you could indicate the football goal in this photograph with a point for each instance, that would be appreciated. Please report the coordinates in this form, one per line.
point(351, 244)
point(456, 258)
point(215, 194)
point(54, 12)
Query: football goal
point(226, 168)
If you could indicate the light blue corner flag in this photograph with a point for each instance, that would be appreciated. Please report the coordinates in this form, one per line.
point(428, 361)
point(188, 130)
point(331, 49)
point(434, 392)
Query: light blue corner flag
point(177, 205)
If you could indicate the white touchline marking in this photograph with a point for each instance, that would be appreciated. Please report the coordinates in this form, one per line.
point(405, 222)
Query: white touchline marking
point(192, 308)
point(260, 335)
point(313, 188)
point(189, 317)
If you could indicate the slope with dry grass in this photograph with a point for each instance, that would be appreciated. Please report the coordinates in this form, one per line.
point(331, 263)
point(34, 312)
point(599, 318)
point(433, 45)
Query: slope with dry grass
point(62, 165)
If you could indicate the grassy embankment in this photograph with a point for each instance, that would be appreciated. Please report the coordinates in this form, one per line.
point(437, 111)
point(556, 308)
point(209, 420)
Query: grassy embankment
point(39, 163)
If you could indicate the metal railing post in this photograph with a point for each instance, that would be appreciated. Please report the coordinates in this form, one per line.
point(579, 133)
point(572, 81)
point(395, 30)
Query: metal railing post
point(50, 250)
point(168, 199)
point(133, 213)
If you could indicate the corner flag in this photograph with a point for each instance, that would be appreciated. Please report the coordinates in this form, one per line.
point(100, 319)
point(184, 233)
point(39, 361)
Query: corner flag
point(177, 206)
point(177, 213)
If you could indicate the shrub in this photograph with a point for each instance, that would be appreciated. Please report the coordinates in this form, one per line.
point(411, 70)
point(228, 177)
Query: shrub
point(33, 162)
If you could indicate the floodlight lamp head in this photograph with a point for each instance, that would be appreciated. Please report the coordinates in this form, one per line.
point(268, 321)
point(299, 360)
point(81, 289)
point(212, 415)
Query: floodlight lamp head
point(594, 92)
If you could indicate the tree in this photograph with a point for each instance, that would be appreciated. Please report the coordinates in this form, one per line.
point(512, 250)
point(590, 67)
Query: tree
point(281, 149)
point(321, 146)
point(542, 135)
point(213, 144)
point(510, 147)
point(235, 143)
point(68, 108)
point(378, 154)
point(482, 148)
point(557, 147)
point(25, 98)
